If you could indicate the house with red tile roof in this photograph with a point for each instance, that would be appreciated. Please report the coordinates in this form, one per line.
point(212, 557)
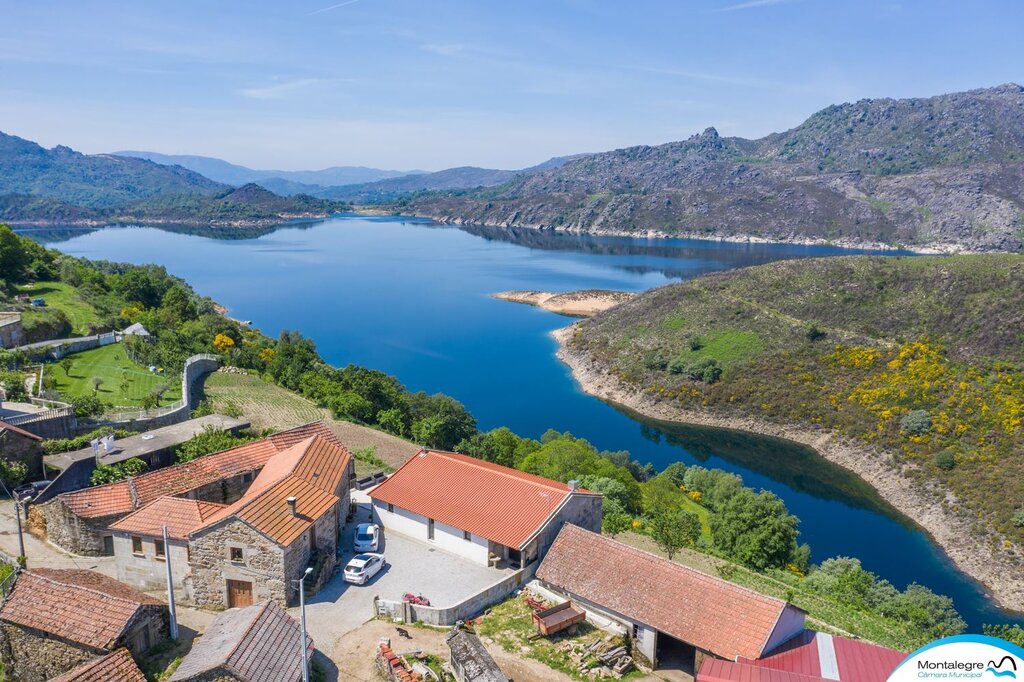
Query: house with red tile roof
point(140, 552)
point(677, 616)
point(258, 643)
point(291, 517)
point(57, 619)
point(810, 657)
point(484, 512)
point(119, 666)
point(79, 522)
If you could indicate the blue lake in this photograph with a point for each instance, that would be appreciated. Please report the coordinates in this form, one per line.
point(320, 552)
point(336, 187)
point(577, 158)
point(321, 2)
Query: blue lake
point(412, 298)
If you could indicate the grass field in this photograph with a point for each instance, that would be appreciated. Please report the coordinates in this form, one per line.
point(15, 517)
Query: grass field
point(111, 364)
point(268, 406)
point(60, 296)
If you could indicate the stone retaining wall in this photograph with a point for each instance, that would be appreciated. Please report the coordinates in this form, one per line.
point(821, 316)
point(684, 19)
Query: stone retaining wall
point(450, 615)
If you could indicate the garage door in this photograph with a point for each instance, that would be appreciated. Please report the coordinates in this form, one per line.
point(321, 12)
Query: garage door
point(239, 594)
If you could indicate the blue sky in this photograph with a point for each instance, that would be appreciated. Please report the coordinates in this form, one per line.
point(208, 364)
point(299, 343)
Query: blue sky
point(436, 83)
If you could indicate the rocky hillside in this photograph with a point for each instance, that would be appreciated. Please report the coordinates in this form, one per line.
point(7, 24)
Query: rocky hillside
point(461, 178)
point(943, 172)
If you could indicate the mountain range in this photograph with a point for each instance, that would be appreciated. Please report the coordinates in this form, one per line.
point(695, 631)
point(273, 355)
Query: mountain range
point(233, 174)
point(60, 185)
point(941, 173)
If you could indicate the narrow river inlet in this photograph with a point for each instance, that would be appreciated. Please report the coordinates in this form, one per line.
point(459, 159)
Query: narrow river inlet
point(411, 298)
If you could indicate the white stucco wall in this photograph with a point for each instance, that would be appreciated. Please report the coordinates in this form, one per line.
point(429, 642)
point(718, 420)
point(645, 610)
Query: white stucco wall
point(791, 623)
point(148, 572)
point(446, 537)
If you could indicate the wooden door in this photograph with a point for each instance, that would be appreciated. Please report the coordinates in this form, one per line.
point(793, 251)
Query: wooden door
point(239, 594)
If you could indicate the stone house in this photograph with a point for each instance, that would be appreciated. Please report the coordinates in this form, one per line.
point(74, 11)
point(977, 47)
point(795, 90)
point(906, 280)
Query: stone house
point(139, 549)
point(675, 615)
point(57, 619)
point(290, 518)
point(116, 667)
point(23, 446)
point(11, 332)
point(481, 511)
point(79, 521)
point(258, 643)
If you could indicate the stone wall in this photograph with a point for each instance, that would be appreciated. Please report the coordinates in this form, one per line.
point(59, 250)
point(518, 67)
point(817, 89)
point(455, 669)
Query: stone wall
point(215, 675)
point(31, 656)
point(580, 510)
point(297, 556)
point(146, 571)
point(56, 423)
point(450, 615)
point(224, 491)
point(150, 627)
point(15, 447)
point(262, 564)
point(69, 531)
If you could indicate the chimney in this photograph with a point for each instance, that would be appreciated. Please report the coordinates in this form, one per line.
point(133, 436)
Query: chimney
point(573, 486)
point(291, 505)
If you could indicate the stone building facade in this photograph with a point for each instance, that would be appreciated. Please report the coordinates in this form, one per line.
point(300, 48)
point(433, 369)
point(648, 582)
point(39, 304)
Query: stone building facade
point(56, 619)
point(11, 332)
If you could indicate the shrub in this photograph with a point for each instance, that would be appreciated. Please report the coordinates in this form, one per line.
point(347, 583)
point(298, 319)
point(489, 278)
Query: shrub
point(12, 472)
point(815, 333)
point(58, 445)
point(916, 423)
point(694, 343)
point(1018, 518)
point(945, 460)
point(210, 439)
point(111, 473)
point(87, 406)
point(13, 384)
point(655, 360)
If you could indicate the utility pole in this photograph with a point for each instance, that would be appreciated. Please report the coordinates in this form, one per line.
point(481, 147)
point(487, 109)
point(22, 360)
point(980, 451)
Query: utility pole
point(170, 588)
point(17, 518)
point(302, 624)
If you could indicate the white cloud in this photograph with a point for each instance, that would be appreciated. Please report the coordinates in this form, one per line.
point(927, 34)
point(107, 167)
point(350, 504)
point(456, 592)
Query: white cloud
point(284, 89)
point(751, 4)
point(328, 9)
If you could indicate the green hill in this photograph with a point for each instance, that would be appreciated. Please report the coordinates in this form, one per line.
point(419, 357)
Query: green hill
point(922, 357)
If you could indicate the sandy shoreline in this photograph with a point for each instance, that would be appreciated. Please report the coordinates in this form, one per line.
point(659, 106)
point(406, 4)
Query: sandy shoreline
point(585, 303)
point(1000, 574)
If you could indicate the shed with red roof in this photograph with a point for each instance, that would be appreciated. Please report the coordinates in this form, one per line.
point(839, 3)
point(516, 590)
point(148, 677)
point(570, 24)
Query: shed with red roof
point(479, 510)
point(676, 615)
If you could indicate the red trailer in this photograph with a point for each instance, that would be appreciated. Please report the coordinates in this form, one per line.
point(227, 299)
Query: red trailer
point(557, 618)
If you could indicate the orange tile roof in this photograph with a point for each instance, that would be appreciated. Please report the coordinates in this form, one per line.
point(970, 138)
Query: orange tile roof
point(77, 605)
point(117, 666)
point(311, 470)
point(125, 496)
point(494, 502)
point(180, 515)
point(707, 612)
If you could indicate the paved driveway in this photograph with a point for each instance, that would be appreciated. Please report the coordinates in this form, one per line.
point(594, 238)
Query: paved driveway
point(412, 566)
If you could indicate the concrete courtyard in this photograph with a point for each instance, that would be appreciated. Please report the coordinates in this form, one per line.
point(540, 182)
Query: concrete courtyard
point(412, 566)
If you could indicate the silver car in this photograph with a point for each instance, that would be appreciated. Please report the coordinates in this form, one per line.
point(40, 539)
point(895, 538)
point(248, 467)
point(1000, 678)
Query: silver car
point(367, 538)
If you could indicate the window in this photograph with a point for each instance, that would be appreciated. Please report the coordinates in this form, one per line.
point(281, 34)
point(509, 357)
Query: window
point(638, 632)
point(236, 554)
point(466, 535)
point(246, 477)
point(136, 545)
point(391, 508)
point(158, 545)
point(430, 529)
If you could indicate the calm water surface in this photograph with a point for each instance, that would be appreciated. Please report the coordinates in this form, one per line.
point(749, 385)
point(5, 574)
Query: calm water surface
point(411, 298)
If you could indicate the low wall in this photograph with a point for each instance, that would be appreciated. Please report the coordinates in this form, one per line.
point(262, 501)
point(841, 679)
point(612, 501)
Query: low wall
point(195, 368)
point(56, 423)
point(464, 610)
